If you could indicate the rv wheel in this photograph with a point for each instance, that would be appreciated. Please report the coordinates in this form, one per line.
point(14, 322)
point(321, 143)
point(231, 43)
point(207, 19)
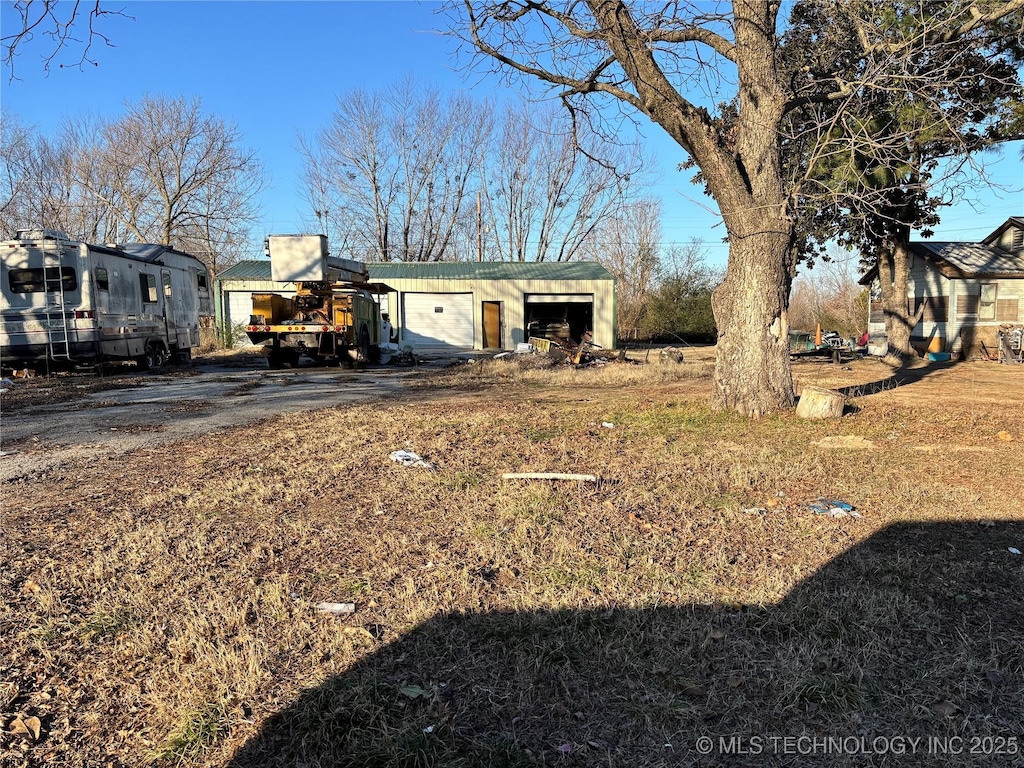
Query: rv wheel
point(154, 356)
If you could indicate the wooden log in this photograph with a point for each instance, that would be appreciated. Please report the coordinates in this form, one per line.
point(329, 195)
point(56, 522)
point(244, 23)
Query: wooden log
point(820, 403)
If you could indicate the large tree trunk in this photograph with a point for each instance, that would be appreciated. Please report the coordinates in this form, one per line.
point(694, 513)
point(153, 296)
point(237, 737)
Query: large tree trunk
point(893, 277)
point(752, 371)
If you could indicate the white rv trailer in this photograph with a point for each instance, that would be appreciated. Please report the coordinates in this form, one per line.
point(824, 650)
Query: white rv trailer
point(67, 302)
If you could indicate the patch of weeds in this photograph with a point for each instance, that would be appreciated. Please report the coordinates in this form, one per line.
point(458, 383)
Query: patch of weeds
point(462, 481)
point(46, 634)
point(540, 435)
point(561, 576)
point(693, 577)
point(829, 693)
point(103, 624)
point(345, 586)
point(197, 733)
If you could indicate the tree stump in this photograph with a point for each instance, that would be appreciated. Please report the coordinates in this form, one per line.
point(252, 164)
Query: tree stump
point(820, 403)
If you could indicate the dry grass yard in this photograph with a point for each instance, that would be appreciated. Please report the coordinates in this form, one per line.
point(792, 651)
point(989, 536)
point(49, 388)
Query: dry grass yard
point(162, 610)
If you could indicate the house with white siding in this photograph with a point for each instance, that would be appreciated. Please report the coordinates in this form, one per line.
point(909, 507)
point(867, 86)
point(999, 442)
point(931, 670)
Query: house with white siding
point(459, 305)
point(968, 291)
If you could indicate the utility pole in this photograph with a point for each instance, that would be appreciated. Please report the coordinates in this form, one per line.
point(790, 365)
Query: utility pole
point(479, 228)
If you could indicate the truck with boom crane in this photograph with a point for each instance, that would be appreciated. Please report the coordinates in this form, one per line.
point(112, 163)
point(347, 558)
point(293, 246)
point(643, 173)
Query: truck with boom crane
point(332, 316)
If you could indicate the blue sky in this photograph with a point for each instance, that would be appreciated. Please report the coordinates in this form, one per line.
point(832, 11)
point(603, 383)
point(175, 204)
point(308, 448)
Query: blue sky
point(276, 68)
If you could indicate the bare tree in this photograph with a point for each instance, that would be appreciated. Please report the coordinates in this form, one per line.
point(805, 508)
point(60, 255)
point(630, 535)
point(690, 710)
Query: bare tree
point(627, 243)
point(829, 294)
point(167, 172)
point(397, 166)
point(18, 156)
point(67, 26)
point(544, 195)
point(654, 59)
point(163, 172)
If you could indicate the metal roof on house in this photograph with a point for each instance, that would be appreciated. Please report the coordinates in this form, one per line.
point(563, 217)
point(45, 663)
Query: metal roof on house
point(970, 259)
point(445, 270)
point(961, 260)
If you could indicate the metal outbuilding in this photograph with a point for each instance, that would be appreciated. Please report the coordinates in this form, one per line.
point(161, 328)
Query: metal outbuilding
point(461, 305)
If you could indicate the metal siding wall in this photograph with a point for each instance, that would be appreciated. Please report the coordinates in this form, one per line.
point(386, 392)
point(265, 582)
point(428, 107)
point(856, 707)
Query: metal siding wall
point(511, 294)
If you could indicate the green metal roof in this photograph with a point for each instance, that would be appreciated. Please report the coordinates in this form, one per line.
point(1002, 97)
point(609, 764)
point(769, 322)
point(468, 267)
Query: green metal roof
point(247, 270)
point(449, 270)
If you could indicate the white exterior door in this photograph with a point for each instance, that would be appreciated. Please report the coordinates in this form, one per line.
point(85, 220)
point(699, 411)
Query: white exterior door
point(437, 320)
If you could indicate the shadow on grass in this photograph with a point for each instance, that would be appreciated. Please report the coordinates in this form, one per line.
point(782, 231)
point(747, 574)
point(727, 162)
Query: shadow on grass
point(916, 633)
point(900, 377)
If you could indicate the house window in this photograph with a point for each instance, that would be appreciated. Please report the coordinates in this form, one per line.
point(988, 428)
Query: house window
point(936, 308)
point(966, 305)
point(148, 285)
point(102, 279)
point(987, 303)
point(201, 281)
point(1007, 309)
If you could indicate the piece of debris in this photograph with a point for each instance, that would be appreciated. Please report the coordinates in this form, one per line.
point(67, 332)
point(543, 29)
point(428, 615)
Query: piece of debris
point(832, 508)
point(607, 425)
point(336, 608)
point(1013, 550)
point(670, 355)
point(548, 476)
point(410, 459)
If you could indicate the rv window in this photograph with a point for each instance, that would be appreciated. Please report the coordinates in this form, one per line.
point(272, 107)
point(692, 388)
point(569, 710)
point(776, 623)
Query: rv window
point(102, 280)
point(32, 280)
point(148, 285)
point(201, 276)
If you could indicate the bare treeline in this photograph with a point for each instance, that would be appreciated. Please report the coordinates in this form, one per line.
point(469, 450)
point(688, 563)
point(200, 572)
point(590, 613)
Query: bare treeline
point(411, 174)
point(162, 172)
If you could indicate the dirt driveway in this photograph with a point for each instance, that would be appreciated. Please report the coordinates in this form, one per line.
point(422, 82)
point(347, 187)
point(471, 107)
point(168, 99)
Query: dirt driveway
point(142, 412)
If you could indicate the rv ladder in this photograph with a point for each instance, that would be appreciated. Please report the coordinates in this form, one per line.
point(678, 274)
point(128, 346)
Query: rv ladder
point(57, 333)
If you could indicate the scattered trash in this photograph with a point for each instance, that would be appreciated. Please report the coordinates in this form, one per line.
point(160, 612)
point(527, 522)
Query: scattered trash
point(524, 348)
point(503, 355)
point(410, 459)
point(1013, 550)
point(429, 729)
point(832, 508)
point(755, 510)
point(607, 425)
point(336, 608)
point(565, 748)
point(413, 691)
point(548, 476)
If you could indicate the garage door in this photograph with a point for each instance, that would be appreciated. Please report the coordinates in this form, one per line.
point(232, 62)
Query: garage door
point(437, 320)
